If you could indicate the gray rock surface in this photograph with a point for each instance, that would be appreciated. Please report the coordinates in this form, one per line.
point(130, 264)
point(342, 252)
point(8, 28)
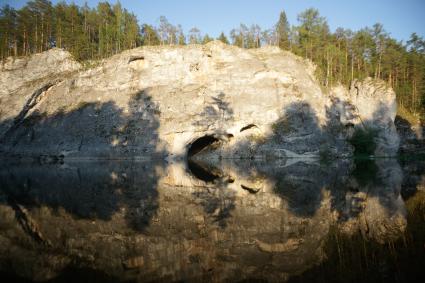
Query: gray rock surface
point(25, 80)
point(370, 104)
point(156, 101)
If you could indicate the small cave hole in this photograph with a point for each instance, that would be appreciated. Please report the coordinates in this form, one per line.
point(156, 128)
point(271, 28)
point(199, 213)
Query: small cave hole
point(135, 58)
point(248, 127)
point(250, 190)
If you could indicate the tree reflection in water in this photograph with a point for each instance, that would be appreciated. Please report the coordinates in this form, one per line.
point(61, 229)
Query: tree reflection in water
point(101, 218)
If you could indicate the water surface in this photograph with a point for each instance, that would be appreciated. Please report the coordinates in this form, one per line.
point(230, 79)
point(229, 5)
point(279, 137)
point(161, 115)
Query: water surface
point(286, 220)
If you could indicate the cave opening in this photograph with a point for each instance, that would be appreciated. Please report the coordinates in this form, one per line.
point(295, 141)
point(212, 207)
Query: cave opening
point(194, 167)
point(200, 144)
point(201, 172)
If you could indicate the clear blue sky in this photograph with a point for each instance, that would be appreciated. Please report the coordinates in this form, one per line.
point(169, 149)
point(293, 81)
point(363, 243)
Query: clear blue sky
point(399, 17)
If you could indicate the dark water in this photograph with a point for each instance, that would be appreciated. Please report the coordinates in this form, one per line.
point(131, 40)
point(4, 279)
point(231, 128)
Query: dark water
point(249, 221)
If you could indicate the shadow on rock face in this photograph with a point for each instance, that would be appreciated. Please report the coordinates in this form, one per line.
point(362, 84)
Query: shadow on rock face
point(88, 129)
point(299, 176)
point(411, 136)
point(216, 111)
point(92, 191)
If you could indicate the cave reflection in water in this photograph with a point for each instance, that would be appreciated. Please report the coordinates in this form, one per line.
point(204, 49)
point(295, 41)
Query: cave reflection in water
point(135, 221)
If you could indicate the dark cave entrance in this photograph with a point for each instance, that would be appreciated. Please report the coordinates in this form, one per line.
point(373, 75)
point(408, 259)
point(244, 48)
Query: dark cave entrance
point(196, 168)
point(201, 172)
point(199, 144)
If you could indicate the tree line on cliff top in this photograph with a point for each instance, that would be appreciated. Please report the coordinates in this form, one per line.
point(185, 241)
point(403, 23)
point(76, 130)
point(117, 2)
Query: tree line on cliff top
point(341, 56)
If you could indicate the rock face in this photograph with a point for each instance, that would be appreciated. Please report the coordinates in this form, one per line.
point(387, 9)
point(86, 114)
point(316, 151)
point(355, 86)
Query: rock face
point(372, 105)
point(411, 136)
point(24, 81)
point(166, 101)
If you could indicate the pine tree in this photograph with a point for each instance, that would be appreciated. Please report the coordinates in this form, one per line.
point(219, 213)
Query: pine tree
point(206, 39)
point(237, 40)
point(313, 32)
point(131, 31)
point(180, 36)
point(8, 40)
point(118, 25)
point(223, 38)
point(149, 35)
point(379, 38)
point(282, 31)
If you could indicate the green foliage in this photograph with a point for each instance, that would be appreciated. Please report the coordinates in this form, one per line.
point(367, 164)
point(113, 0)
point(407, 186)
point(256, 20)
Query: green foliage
point(282, 31)
point(237, 37)
point(88, 33)
point(206, 39)
point(181, 38)
point(412, 118)
point(246, 37)
point(313, 33)
point(149, 35)
point(370, 52)
point(223, 38)
point(363, 141)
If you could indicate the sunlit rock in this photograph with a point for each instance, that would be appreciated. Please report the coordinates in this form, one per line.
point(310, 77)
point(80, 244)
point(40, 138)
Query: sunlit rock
point(157, 101)
point(369, 105)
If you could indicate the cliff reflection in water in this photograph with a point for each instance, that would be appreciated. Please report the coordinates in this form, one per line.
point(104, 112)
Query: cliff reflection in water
point(275, 221)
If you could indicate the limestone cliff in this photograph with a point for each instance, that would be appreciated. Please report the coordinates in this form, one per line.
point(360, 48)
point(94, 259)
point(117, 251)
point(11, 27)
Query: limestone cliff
point(158, 101)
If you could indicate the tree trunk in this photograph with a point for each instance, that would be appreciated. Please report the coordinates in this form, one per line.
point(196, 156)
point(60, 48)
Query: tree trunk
point(42, 33)
point(36, 34)
point(327, 68)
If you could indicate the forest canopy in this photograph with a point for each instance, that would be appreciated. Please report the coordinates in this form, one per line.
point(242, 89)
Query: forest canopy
point(92, 33)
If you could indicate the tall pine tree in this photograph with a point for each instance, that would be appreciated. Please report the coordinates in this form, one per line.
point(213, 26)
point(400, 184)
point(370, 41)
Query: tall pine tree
point(282, 31)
